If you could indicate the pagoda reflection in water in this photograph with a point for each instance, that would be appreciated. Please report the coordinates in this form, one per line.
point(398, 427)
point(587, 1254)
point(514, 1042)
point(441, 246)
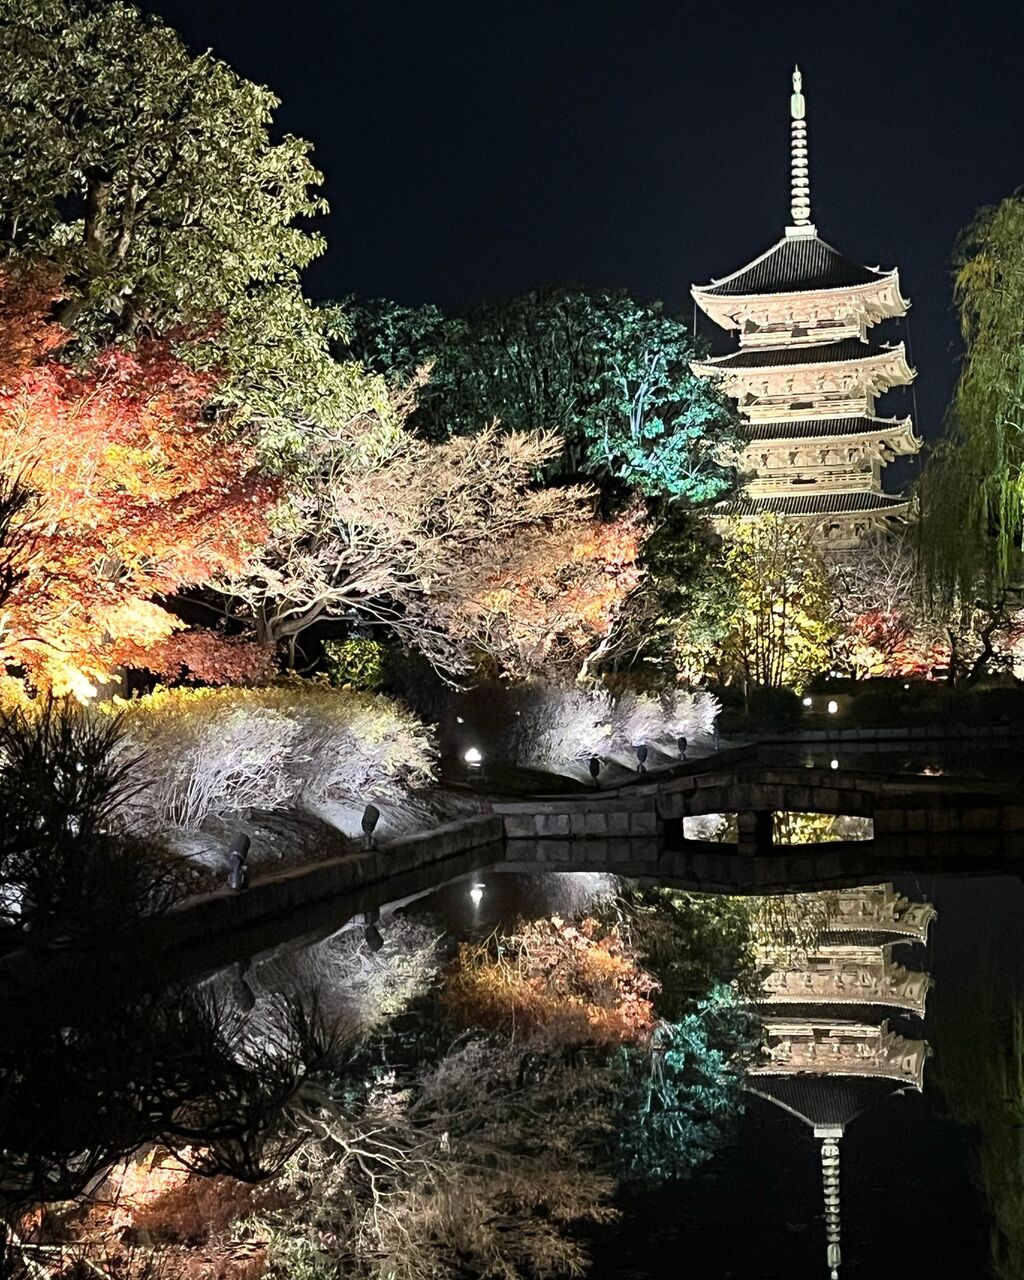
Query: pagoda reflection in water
point(828, 1050)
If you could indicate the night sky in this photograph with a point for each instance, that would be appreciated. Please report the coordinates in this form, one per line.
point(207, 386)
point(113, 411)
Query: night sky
point(475, 150)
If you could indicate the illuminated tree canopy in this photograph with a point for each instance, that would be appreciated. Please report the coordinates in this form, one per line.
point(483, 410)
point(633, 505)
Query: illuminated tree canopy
point(151, 179)
point(973, 487)
point(610, 375)
point(454, 546)
point(782, 624)
point(134, 493)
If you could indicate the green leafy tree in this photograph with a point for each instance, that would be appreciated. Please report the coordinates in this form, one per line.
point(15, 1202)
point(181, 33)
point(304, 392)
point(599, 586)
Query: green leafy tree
point(676, 1103)
point(150, 178)
point(610, 375)
point(782, 621)
point(678, 622)
point(973, 487)
point(690, 942)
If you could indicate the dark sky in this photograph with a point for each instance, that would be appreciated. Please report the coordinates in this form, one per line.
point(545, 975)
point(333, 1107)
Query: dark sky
point(474, 150)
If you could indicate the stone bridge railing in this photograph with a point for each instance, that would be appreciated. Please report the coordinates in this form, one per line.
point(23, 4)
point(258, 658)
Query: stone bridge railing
point(735, 782)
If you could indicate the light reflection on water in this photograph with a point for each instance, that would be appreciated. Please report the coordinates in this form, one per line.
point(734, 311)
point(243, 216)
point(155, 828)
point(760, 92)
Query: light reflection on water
point(757, 1209)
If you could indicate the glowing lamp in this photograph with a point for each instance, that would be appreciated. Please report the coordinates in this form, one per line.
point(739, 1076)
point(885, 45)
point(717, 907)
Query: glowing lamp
point(474, 758)
point(833, 706)
point(476, 894)
point(808, 702)
point(834, 764)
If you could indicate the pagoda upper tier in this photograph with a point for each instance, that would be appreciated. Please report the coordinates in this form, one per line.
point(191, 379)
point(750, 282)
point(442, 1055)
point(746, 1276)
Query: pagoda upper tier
point(800, 285)
point(806, 378)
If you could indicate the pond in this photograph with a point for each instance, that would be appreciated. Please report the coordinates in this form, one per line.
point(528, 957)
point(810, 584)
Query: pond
point(911, 1162)
point(494, 1030)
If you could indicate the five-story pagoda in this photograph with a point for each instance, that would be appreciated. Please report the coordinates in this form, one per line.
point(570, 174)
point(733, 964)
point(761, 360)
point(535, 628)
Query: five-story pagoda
point(806, 376)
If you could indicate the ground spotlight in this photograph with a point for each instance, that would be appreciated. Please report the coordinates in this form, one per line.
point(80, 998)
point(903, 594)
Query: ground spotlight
point(371, 816)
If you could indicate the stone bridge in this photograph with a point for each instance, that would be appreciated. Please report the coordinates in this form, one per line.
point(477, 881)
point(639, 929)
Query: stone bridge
point(744, 782)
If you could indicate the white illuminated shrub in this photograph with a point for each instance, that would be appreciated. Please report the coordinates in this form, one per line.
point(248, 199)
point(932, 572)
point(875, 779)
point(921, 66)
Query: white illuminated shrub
point(555, 728)
point(212, 752)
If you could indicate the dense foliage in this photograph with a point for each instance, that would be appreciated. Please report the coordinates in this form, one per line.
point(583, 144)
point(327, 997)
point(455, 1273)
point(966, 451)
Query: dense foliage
point(552, 982)
point(205, 753)
point(781, 621)
point(973, 487)
point(134, 493)
point(454, 547)
point(67, 865)
point(609, 375)
point(151, 181)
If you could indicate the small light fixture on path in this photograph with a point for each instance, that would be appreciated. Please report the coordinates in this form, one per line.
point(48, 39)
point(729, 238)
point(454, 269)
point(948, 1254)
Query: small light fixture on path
point(238, 870)
point(474, 759)
point(370, 818)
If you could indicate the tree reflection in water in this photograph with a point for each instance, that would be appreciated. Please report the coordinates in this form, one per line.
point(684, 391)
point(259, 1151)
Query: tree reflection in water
point(460, 1116)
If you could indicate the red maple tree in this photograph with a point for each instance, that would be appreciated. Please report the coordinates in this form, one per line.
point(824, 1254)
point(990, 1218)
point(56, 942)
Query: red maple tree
point(138, 493)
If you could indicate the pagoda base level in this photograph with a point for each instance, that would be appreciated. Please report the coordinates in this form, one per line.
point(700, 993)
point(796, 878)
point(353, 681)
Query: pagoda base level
point(839, 522)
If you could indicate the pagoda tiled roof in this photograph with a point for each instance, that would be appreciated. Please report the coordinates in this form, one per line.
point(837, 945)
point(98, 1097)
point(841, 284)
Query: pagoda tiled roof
point(821, 428)
point(811, 504)
point(797, 264)
point(849, 349)
point(826, 1101)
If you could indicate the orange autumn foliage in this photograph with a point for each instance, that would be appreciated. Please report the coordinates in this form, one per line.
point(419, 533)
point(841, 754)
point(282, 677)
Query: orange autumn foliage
point(559, 983)
point(885, 643)
point(553, 596)
point(137, 495)
point(151, 1205)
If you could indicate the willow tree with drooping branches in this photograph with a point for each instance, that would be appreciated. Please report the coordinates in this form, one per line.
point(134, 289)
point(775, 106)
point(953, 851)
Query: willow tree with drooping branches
point(972, 490)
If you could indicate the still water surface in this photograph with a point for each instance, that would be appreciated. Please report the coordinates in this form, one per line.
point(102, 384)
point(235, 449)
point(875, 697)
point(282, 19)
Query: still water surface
point(911, 1198)
point(911, 1203)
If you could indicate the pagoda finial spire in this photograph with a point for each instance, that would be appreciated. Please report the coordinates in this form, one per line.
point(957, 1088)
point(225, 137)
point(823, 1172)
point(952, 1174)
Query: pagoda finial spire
point(800, 194)
point(830, 1179)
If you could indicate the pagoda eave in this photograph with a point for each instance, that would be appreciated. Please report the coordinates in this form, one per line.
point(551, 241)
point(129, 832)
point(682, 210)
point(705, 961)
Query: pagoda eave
point(863, 304)
point(830, 505)
point(788, 360)
point(897, 432)
point(817, 389)
point(837, 1048)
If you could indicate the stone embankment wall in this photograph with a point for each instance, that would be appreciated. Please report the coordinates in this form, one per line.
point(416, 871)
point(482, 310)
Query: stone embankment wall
point(212, 930)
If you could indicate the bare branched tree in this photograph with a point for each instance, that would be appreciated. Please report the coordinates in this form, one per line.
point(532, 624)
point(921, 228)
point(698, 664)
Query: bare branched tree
point(407, 533)
point(473, 1172)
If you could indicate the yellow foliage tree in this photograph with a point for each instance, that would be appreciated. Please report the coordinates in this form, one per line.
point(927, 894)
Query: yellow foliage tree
point(782, 623)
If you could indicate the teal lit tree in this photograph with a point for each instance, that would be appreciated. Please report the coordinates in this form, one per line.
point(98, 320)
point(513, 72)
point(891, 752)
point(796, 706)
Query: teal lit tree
point(676, 1103)
point(609, 374)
